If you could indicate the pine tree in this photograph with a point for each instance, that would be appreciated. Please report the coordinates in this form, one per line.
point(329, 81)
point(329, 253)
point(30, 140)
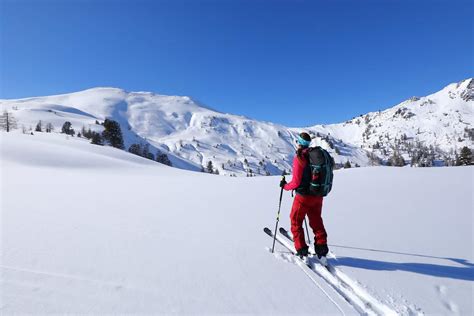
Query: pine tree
point(465, 157)
point(135, 149)
point(469, 132)
point(87, 133)
point(113, 134)
point(397, 160)
point(49, 128)
point(347, 165)
point(210, 167)
point(7, 121)
point(66, 129)
point(96, 139)
point(150, 156)
point(39, 127)
point(163, 158)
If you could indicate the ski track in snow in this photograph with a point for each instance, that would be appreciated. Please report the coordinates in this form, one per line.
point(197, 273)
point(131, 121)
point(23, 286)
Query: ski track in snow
point(352, 291)
point(308, 271)
point(61, 275)
point(360, 306)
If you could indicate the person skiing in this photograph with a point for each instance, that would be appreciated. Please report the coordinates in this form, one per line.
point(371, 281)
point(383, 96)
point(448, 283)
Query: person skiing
point(305, 204)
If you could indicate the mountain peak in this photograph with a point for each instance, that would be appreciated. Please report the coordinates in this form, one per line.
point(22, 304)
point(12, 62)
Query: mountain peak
point(468, 93)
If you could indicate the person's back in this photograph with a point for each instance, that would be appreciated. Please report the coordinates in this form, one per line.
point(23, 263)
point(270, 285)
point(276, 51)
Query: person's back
point(305, 204)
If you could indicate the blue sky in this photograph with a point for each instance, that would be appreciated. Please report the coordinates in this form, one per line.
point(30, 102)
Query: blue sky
point(292, 62)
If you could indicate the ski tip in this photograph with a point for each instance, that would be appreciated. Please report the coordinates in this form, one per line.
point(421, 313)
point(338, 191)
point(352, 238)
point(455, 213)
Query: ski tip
point(267, 230)
point(282, 230)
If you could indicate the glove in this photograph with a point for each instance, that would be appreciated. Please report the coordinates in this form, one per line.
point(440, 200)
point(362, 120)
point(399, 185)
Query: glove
point(282, 183)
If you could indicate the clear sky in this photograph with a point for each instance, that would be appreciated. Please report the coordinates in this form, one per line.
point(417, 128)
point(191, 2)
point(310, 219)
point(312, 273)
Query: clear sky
point(292, 62)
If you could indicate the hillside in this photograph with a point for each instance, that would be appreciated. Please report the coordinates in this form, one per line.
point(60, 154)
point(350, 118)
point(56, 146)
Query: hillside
point(428, 128)
point(91, 229)
point(442, 123)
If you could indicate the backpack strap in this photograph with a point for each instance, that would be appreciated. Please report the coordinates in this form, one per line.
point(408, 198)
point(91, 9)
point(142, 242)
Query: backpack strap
point(328, 170)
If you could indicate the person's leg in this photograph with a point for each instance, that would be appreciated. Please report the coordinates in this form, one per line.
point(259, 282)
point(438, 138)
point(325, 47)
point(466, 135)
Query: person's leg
point(317, 225)
point(297, 215)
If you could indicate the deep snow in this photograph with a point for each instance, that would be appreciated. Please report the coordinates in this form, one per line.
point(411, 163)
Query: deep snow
point(90, 229)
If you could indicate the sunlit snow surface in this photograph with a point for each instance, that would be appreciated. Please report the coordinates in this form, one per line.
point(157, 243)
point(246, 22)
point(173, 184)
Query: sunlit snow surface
point(90, 229)
point(192, 135)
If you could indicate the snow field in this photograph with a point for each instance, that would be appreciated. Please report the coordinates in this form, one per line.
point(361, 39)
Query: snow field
point(90, 229)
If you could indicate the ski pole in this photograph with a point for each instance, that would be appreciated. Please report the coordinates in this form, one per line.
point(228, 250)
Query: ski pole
point(307, 232)
point(278, 217)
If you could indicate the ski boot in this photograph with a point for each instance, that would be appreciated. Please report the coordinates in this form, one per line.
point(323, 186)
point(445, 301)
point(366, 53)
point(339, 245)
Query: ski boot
point(321, 250)
point(303, 252)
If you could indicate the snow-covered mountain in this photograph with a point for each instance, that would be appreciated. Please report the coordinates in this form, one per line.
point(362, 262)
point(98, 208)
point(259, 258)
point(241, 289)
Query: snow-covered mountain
point(442, 122)
point(192, 134)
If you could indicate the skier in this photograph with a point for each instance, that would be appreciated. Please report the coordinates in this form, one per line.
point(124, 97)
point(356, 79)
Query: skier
point(305, 204)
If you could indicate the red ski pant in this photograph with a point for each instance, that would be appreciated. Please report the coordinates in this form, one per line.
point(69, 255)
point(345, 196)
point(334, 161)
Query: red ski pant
point(311, 206)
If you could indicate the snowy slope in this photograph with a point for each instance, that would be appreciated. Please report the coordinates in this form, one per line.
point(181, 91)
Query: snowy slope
point(91, 229)
point(192, 135)
point(175, 125)
point(439, 120)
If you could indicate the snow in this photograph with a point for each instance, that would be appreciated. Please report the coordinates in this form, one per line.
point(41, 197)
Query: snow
point(438, 119)
point(193, 134)
point(92, 229)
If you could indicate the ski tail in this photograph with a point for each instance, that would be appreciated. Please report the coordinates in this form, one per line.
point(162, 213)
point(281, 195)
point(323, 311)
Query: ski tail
point(268, 231)
point(285, 233)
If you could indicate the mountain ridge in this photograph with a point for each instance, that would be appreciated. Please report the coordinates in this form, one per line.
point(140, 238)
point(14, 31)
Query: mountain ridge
point(194, 134)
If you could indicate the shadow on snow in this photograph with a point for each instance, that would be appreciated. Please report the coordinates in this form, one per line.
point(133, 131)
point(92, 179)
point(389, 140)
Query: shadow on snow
point(437, 270)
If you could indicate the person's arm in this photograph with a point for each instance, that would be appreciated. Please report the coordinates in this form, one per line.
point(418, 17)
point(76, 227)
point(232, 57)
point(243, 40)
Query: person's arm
point(298, 166)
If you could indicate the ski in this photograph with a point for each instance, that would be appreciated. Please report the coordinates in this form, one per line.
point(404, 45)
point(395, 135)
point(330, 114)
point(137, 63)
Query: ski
point(322, 260)
point(362, 301)
point(285, 233)
point(269, 232)
point(313, 266)
point(307, 268)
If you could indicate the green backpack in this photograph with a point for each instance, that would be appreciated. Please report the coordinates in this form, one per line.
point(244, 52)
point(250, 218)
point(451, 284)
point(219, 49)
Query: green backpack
point(321, 165)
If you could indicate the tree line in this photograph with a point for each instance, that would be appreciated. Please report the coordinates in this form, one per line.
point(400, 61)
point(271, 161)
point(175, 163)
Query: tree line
point(111, 135)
